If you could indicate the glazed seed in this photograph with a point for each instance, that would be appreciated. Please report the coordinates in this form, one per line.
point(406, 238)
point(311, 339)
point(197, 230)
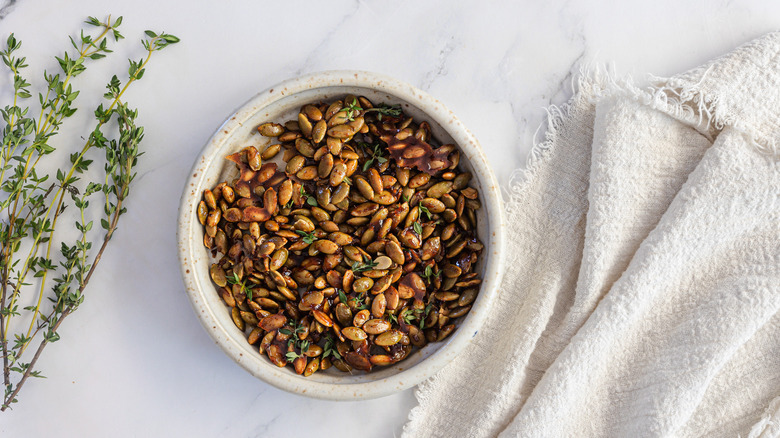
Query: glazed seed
point(433, 205)
point(364, 187)
point(338, 173)
point(419, 180)
point(322, 318)
point(299, 364)
point(343, 314)
point(382, 284)
point(431, 248)
point(445, 331)
point(213, 219)
point(278, 259)
point(378, 306)
point(458, 312)
point(295, 164)
point(312, 367)
point(271, 129)
point(313, 299)
point(467, 297)
point(360, 318)
point(323, 196)
point(338, 118)
point(362, 284)
point(325, 165)
point(304, 148)
point(446, 296)
point(388, 338)
point(381, 360)
point(218, 275)
point(254, 336)
point(253, 158)
point(364, 209)
point(439, 189)
point(235, 314)
point(334, 145)
point(376, 180)
point(342, 131)
point(307, 173)
point(249, 318)
point(383, 262)
point(341, 239)
point(211, 201)
point(313, 351)
point(354, 333)
point(270, 151)
point(333, 109)
point(326, 246)
point(409, 238)
point(376, 326)
point(319, 131)
point(391, 296)
point(203, 212)
point(394, 251)
point(304, 124)
point(402, 175)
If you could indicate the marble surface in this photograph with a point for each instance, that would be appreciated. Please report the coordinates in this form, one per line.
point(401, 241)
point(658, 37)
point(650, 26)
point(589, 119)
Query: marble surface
point(134, 361)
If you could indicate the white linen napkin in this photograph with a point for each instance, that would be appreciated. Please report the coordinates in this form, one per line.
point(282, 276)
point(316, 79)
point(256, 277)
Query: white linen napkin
point(643, 291)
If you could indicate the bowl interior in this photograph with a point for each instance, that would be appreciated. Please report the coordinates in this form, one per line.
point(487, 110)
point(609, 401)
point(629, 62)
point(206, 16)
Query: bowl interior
point(240, 131)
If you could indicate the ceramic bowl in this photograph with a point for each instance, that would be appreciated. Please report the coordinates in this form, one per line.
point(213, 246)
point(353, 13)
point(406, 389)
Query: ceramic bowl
point(281, 103)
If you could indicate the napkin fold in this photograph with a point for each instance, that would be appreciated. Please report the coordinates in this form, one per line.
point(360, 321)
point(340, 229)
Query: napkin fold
point(643, 291)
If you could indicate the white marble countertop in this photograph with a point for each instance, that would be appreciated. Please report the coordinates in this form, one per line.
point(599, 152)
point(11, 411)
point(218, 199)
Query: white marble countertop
point(134, 360)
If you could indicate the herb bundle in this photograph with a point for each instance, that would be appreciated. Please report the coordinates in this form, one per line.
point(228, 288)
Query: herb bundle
point(51, 272)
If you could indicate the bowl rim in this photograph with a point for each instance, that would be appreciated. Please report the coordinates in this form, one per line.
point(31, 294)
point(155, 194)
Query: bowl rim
point(491, 199)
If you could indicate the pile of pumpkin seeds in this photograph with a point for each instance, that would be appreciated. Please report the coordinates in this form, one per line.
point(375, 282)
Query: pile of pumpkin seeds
point(361, 249)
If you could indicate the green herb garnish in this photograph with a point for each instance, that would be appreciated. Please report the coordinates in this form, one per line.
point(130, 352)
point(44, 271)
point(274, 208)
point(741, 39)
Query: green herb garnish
point(417, 228)
point(367, 265)
point(307, 237)
point(387, 110)
point(330, 348)
point(352, 109)
point(428, 273)
point(359, 304)
point(311, 200)
point(342, 296)
point(424, 210)
point(233, 279)
point(376, 154)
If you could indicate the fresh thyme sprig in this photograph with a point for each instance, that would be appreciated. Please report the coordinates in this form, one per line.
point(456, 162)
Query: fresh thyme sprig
point(246, 290)
point(330, 348)
point(417, 228)
point(387, 110)
point(428, 273)
point(367, 265)
point(306, 237)
point(32, 204)
point(295, 341)
point(359, 303)
point(311, 200)
point(424, 211)
point(353, 109)
point(376, 154)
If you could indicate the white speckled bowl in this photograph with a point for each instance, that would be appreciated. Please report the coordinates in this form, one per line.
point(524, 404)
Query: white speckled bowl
point(280, 103)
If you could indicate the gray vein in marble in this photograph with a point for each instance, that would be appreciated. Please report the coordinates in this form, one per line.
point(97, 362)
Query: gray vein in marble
point(6, 8)
point(563, 90)
point(440, 69)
